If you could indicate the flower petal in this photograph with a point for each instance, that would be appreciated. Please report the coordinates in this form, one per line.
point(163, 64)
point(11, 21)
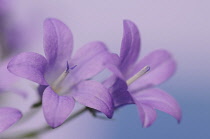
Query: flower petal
point(130, 46)
point(112, 64)
point(147, 114)
point(90, 60)
point(119, 93)
point(117, 74)
point(56, 108)
point(162, 67)
point(94, 95)
point(7, 78)
point(8, 117)
point(58, 42)
point(29, 65)
point(158, 99)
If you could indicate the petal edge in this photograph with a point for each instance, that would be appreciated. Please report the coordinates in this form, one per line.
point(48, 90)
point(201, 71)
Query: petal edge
point(29, 65)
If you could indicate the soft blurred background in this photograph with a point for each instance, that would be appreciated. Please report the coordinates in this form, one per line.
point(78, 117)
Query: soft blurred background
point(182, 27)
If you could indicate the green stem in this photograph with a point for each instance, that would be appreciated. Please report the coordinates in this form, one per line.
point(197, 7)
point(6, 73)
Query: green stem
point(45, 129)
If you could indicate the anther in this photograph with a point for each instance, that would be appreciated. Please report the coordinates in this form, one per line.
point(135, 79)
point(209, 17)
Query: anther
point(67, 66)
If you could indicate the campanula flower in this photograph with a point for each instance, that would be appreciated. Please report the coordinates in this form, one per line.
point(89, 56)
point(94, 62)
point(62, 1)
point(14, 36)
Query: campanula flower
point(8, 116)
point(13, 34)
point(138, 87)
point(66, 78)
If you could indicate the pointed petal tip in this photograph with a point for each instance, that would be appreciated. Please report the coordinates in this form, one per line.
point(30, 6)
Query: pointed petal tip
point(99, 43)
point(53, 126)
point(50, 19)
point(110, 117)
point(130, 23)
point(146, 126)
point(110, 114)
point(127, 21)
point(46, 20)
point(179, 118)
point(164, 51)
point(8, 117)
point(18, 112)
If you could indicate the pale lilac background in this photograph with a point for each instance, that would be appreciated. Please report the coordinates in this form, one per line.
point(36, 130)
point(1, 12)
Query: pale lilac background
point(180, 26)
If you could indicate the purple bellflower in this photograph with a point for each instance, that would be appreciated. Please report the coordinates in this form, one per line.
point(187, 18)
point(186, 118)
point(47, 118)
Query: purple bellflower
point(8, 116)
point(66, 79)
point(13, 34)
point(139, 88)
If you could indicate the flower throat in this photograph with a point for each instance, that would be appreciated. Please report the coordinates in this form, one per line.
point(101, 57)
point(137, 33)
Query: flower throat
point(56, 85)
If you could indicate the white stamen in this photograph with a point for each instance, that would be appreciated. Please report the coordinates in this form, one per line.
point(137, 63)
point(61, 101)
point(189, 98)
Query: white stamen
point(56, 84)
point(138, 75)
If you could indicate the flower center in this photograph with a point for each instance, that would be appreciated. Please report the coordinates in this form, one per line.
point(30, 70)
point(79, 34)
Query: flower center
point(139, 74)
point(56, 85)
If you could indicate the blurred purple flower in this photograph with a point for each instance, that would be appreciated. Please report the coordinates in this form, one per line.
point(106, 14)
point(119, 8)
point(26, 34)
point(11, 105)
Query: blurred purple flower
point(64, 82)
point(8, 116)
point(13, 35)
point(8, 81)
point(141, 91)
point(3, 8)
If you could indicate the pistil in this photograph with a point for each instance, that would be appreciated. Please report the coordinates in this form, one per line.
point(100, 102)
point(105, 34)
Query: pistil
point(57, 83)
point(138, 75)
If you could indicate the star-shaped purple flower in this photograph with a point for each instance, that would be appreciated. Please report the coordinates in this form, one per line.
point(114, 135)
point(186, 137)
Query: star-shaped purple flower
point(141, 91)
point(66, 78)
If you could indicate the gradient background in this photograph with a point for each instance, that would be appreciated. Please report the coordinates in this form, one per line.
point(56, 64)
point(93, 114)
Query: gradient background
point(180, 26)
